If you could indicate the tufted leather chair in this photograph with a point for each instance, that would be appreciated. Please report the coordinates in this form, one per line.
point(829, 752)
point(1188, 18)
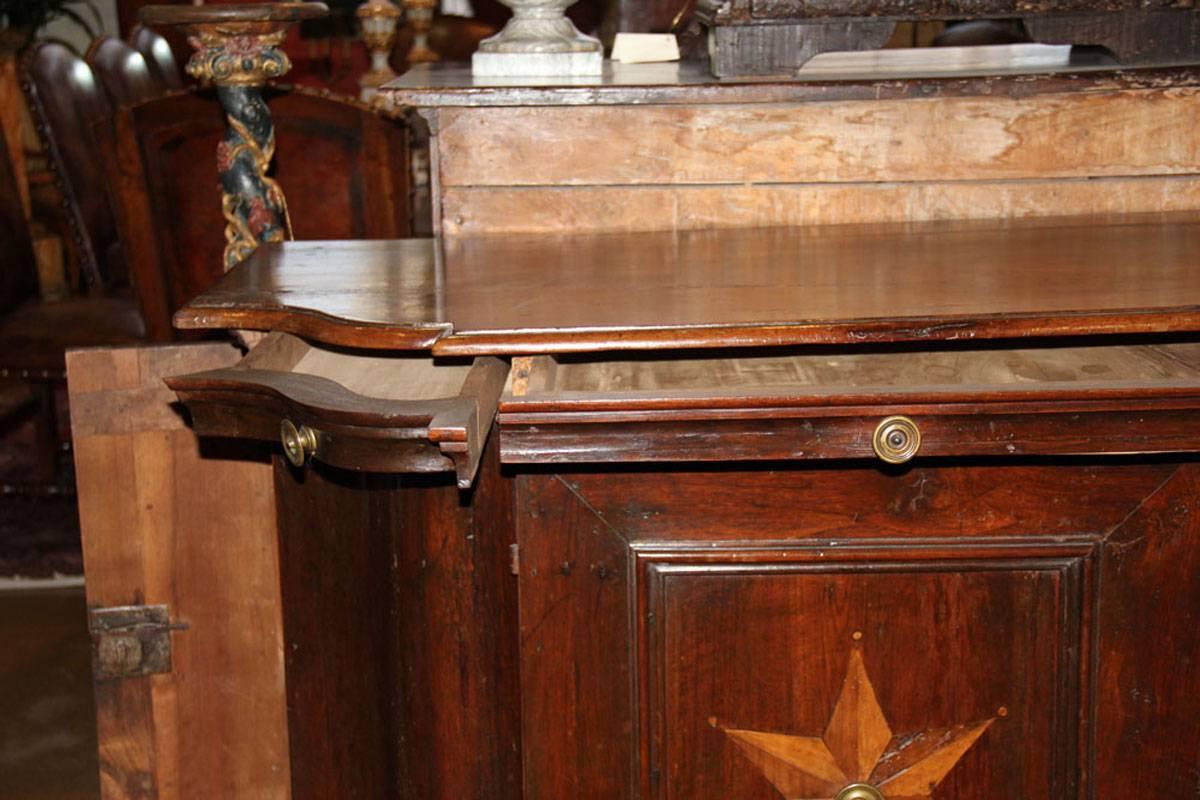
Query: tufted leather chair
point(159, 58)
point(123, 72)
point(66, 99)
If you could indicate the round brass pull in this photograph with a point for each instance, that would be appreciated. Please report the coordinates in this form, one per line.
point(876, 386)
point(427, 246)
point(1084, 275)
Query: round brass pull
point(860, 791)
point(896, 440)
point(298, 443)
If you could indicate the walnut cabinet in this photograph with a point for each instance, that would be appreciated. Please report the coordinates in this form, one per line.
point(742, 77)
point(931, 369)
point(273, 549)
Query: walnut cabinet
point(838, 512)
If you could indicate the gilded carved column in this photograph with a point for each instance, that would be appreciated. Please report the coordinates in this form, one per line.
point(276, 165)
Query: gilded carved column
point(238, 51)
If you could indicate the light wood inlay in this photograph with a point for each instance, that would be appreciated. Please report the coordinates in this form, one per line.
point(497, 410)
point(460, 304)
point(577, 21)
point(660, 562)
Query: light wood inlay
point(858, 746)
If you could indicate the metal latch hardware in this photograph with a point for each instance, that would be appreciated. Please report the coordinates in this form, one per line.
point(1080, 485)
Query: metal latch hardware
point(130, 641)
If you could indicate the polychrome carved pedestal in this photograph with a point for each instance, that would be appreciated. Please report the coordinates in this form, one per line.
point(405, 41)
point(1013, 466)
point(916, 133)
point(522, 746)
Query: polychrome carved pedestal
point(238, 51)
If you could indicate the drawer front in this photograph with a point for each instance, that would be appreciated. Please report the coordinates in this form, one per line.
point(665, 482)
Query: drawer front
point(362, 412)
point(891, 407)
point(959, 632)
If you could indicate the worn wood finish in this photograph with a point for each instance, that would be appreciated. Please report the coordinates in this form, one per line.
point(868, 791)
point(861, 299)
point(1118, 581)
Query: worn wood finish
point(1119, 134)
point(1155, 546)
point(833, 375)
point(168, 519)
point(547, 169)
point(439, 425)
point(728, 288)
point(452, 86)
point(964, 402)
point(620, 209)
point(401, 636)
point(858, 140)
point(949, 609)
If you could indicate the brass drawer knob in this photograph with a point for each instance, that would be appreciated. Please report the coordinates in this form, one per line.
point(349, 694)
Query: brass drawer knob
point(896, 440)
point(860, 791)
point(298, 443)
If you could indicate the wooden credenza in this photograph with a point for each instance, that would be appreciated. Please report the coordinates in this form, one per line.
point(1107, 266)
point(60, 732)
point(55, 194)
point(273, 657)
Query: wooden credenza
point(679, 506)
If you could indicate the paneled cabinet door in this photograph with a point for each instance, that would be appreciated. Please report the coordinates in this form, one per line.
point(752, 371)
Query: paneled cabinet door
point(185, 526)
point(951, 631)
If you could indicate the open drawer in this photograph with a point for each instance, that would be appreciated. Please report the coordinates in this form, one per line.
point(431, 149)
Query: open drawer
point(893, 406)
point(373, 412)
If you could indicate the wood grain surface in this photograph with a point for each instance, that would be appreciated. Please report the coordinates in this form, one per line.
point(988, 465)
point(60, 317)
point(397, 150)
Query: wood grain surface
point(559, 169)
point(1144, 132)
point(959, 611)
point(916, 137)
point(744, 287)
point(401, 629)
point(471, 211)
point(167, 519)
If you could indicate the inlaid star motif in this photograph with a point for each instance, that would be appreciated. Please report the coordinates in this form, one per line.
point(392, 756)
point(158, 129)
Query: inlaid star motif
point(857, 747)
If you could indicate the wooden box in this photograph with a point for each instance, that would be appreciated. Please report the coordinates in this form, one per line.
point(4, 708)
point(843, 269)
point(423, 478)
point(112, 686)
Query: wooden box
point(777, 37)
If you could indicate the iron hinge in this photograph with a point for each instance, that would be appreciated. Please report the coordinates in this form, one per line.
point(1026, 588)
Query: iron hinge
point(131, 641)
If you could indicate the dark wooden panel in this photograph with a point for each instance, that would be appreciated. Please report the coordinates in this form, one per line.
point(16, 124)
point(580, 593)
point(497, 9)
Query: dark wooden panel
point(1148, 699)
point(835, 504)
point(869, 661)
point(576, 671)
point(969, 430)
point(774, 286)
point(752, 589)
point(401, 636)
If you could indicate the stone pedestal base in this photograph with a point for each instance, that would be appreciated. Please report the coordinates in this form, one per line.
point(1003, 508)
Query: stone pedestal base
point(532, 65)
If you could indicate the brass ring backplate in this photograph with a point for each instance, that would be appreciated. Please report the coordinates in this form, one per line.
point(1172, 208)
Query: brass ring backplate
point(860, 791)
point(896, 440)
point(298, 443)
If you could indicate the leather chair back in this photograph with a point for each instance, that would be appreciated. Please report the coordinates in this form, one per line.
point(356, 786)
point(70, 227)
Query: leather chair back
point(123, 72)
point(66, 101)
point(157, 51)
point(343, 166)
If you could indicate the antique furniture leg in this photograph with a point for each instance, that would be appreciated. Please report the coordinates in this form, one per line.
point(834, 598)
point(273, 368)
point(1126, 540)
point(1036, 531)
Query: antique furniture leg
point(237, 50)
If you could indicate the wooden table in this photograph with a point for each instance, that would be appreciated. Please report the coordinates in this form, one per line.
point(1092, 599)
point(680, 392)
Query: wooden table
point(840, 512)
